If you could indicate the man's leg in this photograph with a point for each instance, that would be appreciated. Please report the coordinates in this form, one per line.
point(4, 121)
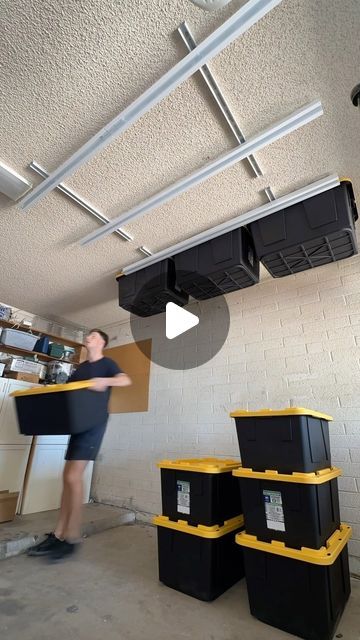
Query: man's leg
point(69, 523)
point(64, 511)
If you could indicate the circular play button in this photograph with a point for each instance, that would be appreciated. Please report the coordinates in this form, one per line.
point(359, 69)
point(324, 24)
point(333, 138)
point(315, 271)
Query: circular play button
point(183, 337)
point(178, 320)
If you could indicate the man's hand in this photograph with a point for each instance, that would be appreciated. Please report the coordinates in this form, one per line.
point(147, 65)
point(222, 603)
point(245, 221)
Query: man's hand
point(100, 384)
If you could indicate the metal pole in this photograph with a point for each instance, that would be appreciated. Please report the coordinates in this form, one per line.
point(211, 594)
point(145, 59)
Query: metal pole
point(191, 44)
point(80, 202)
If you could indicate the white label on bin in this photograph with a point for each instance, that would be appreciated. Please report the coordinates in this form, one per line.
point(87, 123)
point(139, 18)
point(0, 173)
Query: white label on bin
point(273, 510)
point(183, 496)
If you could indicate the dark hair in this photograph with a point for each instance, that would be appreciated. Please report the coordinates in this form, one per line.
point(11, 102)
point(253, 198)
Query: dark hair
point(104, 335)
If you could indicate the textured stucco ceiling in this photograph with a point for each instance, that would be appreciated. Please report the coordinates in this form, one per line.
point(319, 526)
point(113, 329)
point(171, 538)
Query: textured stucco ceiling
point(68, 67)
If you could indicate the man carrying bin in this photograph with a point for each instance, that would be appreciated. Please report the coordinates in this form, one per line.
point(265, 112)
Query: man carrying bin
point(82, 448)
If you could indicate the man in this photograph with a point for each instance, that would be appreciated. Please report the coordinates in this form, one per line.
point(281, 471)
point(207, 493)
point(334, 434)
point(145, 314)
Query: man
point(83, 447)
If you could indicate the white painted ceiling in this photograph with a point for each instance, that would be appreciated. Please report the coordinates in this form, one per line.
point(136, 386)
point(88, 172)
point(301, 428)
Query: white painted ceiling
point(68, 67)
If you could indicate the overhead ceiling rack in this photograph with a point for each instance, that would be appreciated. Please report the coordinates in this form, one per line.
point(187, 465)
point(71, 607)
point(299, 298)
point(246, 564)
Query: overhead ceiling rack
point(280, 129)
point(72, 195)
point(248, 15)
point(12, 184)
point(283, 202)
point(219, 98)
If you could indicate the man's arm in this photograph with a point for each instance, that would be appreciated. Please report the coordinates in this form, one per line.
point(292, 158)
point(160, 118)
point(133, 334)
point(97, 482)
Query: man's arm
point(120, 380)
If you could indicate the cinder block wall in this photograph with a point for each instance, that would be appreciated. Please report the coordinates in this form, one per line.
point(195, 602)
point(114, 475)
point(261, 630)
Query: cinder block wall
point(291, 340)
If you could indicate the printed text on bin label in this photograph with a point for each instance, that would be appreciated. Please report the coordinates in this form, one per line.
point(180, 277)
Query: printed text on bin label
point(183, 496)
point(274, 512)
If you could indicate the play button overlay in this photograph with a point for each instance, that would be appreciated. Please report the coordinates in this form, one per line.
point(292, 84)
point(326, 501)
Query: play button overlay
point(178, 320)
point(183, 337)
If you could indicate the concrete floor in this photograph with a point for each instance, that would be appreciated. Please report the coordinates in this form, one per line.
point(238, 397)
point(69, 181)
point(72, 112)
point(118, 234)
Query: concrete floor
point(19, 535)
point(111, 591)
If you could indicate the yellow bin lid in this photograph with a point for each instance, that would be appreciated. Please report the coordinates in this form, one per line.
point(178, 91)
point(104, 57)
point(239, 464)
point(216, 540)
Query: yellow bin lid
point(53, 388)
point(290, 411)
point(200, 530)
point(324, 556)
point(200, 465)
point(316, 477)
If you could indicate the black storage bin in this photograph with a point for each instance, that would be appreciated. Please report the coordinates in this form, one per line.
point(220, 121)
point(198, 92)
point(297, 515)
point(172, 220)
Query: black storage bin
point(309, 234)
point(200, 490)
point(147, 292)
point(202, 562)
point(218, 266)
point(287, 440)
point(59, 409)
point(301, 592)
point(301, 510)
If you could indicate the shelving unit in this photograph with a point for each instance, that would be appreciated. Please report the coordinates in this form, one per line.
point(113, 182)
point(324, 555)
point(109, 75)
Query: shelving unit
point(20, 352)
point(79, 354)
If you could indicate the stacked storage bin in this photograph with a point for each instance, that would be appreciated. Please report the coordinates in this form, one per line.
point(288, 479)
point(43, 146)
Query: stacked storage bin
point(295, 547)
point(57, 409)
point(198, 554)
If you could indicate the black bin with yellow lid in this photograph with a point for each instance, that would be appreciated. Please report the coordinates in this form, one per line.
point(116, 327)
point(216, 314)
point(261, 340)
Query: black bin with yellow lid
point(200, 490)
point(218, 266)
point(200, 561)
point(311, 233)
point(146, 292)
point(59, 409)
point(288, 440)
point(299, 509)
point(301, 591)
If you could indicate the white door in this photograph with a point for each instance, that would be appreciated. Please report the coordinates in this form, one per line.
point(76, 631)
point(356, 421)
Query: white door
point(44, 487)
point(9, 431)
point(13, 462)
point(43, 491)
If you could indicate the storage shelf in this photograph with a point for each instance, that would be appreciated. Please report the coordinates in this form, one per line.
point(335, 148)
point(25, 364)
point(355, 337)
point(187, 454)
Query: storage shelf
point(12, 325)
point(42, 356)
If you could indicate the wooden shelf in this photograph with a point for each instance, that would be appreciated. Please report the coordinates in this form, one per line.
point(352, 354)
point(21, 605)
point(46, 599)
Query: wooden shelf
point(79, 354)
point(12, 325)
point(42, 356)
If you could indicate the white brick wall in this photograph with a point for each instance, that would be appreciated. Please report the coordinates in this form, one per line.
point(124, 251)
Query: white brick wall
point(293, 339)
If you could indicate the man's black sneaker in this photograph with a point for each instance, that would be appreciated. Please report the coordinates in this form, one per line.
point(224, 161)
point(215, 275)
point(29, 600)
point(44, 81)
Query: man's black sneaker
point(61, 550)
point(44, 548)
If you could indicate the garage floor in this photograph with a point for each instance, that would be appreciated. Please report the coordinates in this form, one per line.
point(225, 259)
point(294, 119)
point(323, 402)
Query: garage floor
point(111, 591)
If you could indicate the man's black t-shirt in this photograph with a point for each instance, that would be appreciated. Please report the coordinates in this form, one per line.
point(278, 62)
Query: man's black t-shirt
point(103, 368)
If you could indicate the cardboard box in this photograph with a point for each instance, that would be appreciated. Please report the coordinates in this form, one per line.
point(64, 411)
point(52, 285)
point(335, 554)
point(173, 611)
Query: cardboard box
point(23, 366)
point(26, 377)
point(8, 504)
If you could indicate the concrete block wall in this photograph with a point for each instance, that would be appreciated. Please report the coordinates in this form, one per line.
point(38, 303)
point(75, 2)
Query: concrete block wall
point(293, 340)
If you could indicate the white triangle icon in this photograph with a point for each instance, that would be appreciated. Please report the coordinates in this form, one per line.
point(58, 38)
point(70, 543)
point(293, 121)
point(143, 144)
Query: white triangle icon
point(178, 320)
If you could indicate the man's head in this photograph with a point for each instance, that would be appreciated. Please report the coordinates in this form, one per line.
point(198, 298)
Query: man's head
point(96, 339)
